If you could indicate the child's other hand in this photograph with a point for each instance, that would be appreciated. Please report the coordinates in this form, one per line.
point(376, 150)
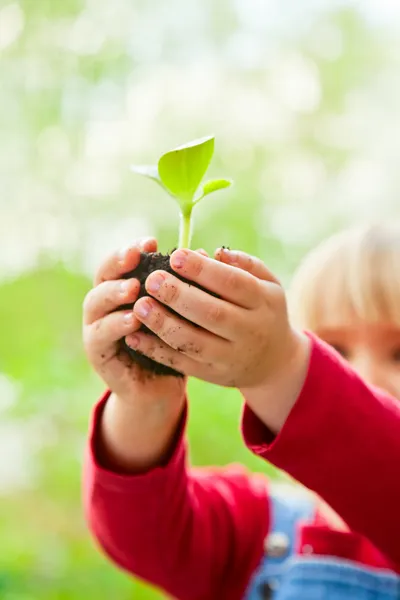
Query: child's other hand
point(244, 338)
point(104, 325)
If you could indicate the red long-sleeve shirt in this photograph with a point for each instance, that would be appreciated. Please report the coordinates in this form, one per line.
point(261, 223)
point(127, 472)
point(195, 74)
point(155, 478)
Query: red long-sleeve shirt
point(199, 533)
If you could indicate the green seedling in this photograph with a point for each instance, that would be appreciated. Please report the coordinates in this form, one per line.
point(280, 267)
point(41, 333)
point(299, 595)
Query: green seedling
point(180, 172)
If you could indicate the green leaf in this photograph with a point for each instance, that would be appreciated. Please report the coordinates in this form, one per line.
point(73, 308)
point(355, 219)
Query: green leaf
point(213, 186)
point(149, 171)
point(182, 169)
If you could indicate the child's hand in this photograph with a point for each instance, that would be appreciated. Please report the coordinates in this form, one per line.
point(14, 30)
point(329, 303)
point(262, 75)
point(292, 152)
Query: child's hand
point(244, 337)
point(140, 418)
point(104, 325)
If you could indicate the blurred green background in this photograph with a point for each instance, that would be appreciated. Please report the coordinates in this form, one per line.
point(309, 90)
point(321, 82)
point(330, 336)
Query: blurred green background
point(303, 98)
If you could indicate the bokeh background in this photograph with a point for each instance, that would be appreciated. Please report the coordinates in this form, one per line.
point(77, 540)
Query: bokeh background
point(303, 98)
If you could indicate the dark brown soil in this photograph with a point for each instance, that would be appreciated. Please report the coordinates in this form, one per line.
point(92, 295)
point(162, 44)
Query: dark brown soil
point(150, 262)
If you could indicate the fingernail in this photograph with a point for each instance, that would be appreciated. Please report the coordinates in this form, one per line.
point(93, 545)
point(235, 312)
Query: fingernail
point(178, 258)
point(143, 309)
point(133, 341)
point(122, 253)
point(123, 288)
point(144, 241)
point(154, 282)
point(128, 318)
point(232, 256)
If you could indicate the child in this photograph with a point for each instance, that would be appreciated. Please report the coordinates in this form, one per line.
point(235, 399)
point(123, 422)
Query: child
point(223, 533)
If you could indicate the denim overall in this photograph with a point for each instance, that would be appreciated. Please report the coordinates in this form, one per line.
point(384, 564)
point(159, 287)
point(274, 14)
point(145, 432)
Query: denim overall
point(313, 577)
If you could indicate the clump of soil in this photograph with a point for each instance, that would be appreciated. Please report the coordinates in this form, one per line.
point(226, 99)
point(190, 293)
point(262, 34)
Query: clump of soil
point(149, 262)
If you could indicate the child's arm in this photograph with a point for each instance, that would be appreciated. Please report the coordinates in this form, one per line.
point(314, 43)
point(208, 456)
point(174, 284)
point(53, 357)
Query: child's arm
point(154, 404)
point(342, 440)
point(195, 534)
point(345, 437)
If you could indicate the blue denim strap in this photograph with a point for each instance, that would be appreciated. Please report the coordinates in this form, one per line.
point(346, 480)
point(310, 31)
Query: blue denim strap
point(286, 509)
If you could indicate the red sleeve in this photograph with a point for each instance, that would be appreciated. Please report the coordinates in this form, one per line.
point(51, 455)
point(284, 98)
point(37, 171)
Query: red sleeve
point(342, 440)
point(195, 534)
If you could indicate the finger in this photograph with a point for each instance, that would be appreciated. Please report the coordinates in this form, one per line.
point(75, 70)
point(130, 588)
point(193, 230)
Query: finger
point(202, 252)
point(213, 314)
point(178, 334)
point(104, 333)
point(107, 297)
point(123, 261)
point(247, 262)
point(235, 285)
point(154, 348)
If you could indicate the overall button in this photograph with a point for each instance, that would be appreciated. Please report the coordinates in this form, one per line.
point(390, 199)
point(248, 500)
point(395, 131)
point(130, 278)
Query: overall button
point(276, 545)
point(268, 588)
point(266, 591)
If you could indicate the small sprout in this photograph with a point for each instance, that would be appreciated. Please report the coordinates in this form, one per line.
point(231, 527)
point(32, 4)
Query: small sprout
point(213, 186)
point(180, 172)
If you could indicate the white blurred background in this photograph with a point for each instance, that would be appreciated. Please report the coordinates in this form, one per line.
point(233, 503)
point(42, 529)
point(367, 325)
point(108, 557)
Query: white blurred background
point(303, 98)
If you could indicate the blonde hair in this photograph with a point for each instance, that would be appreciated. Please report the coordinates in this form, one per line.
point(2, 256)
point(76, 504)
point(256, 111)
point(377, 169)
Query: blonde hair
point(353, 274)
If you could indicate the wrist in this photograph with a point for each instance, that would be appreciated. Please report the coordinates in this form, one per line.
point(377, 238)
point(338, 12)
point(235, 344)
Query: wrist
point(135, 435)
point(149, 406)
point(273, 400)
